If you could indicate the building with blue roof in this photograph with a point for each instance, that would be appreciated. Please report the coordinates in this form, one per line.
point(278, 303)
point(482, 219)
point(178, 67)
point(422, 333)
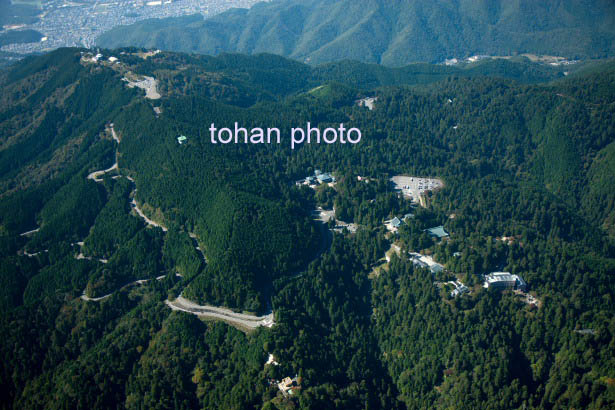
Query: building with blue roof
point(395, 222)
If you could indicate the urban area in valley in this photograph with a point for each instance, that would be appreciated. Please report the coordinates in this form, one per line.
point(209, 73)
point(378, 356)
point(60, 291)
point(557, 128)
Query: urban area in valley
point(64, 23)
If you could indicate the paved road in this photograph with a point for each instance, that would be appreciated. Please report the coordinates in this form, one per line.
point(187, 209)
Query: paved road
point(94, 175)
point(82, 256)
point(31, 255)
point(136, 282)
point(30, 232)
point(185, 305)
point(148, 221)
point(195, 242)
point(89, 299)
point(242, 319)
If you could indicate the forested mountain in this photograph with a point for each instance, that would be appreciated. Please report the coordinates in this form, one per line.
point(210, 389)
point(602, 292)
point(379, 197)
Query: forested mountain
point(18, 12)
point(87, 278)
point(243, 80)
point(393, 33)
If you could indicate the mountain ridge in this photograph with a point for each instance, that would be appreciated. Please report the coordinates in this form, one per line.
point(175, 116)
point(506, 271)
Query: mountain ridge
point(390, 33)
point(85, 283)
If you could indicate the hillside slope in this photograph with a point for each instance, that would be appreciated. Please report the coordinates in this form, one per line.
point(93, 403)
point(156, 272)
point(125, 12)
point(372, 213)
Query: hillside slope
point(85, 279)
point(388, 32)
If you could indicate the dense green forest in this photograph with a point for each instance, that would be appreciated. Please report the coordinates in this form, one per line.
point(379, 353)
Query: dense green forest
point(20, 36)
point(393, 33)
point(524, 154)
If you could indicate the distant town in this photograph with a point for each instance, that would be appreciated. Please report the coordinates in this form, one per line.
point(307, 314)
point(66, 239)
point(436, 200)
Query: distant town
point(554, 61)
point(76, 24)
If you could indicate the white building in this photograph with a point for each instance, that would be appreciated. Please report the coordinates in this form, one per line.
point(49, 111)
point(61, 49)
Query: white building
point(504, 280)
point(459, 290)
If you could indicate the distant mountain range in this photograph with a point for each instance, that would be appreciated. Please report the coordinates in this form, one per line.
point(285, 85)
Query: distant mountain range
point(387, 32)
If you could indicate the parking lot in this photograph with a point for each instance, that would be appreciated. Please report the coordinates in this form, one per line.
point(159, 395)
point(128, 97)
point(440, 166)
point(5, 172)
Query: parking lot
point(413, 187)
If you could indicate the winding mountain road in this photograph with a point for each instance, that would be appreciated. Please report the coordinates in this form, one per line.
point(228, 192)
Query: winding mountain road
point(138, 210)
point(241, 319)
point(30, 232)
point(96, 174)
point(197, 247)
point(136, 282)
point(183, 304)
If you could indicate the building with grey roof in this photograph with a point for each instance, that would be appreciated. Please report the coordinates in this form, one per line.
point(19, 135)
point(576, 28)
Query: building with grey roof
point(325, 177)
point(437, 232)
point(504, 280)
